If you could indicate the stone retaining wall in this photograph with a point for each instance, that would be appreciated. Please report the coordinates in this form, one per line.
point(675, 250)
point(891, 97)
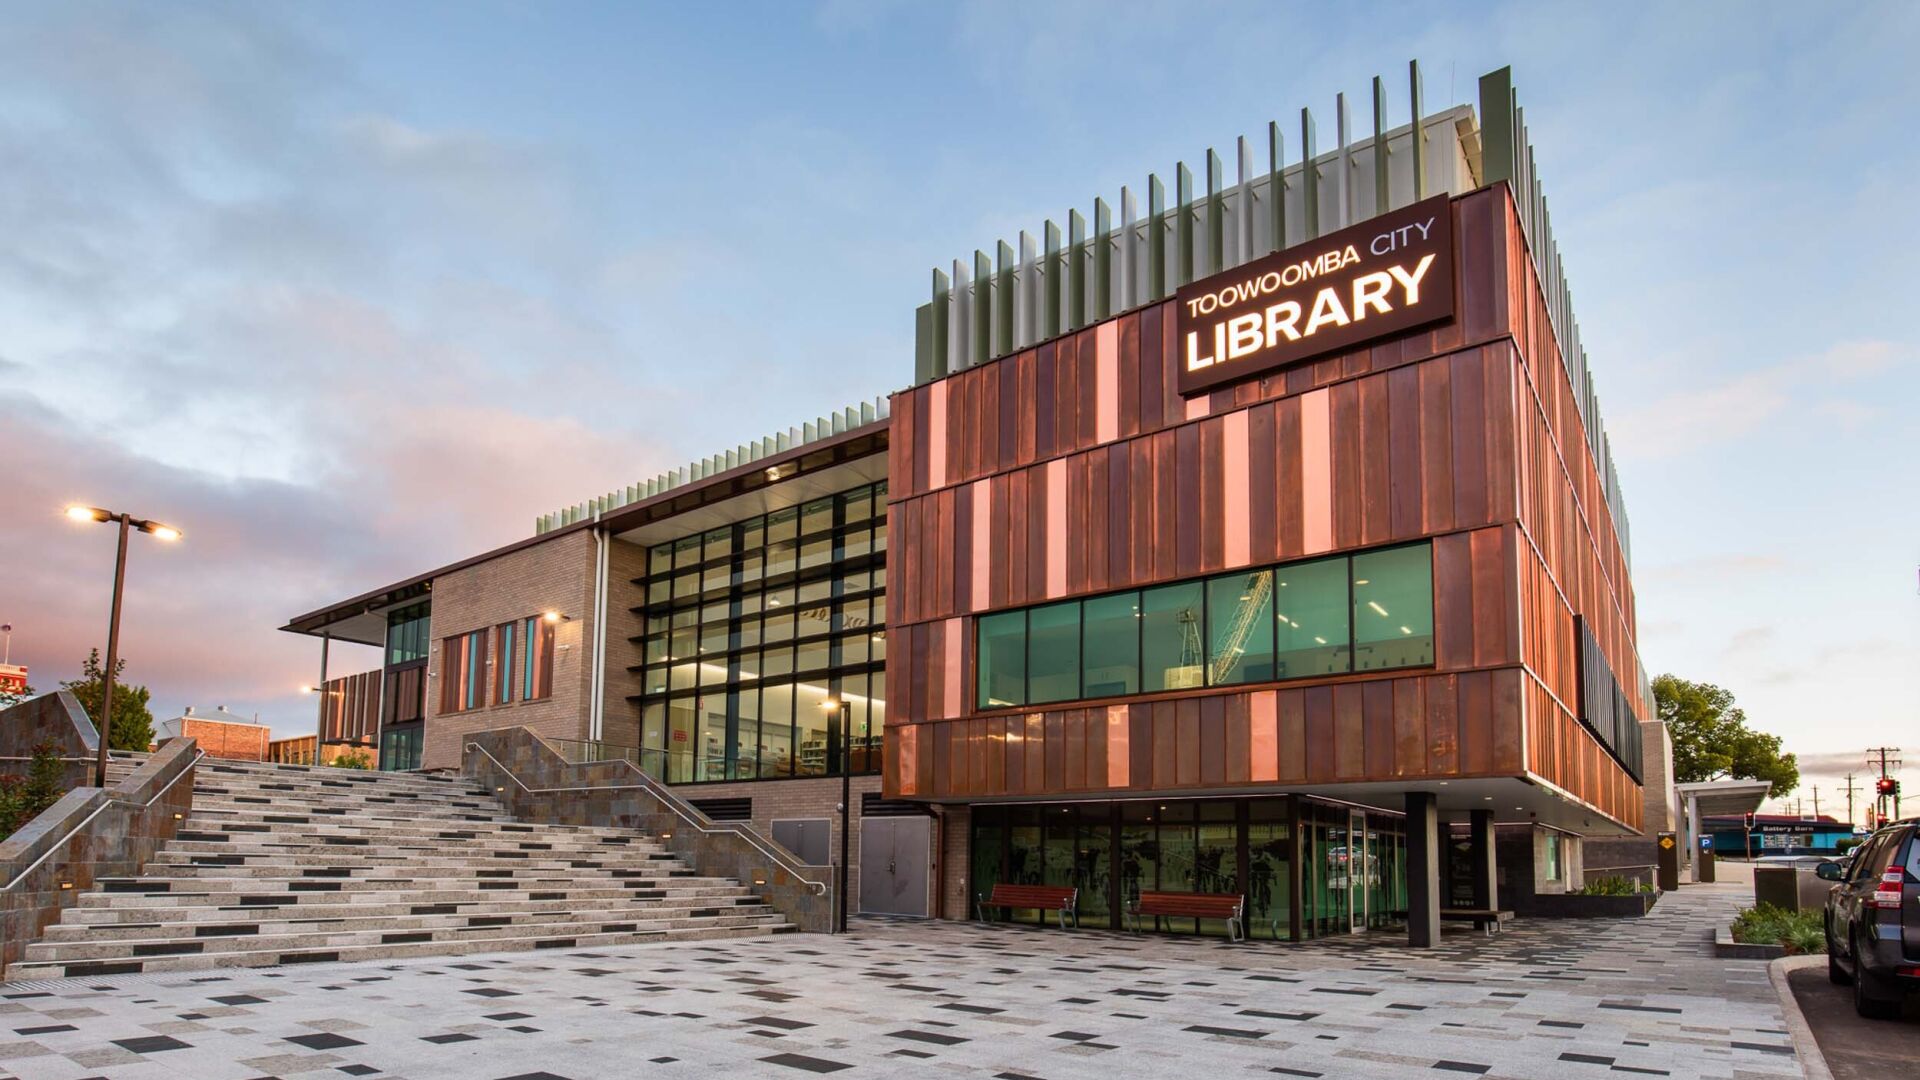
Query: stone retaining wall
point(90, 834)
point(537, 784)
point(55, 718)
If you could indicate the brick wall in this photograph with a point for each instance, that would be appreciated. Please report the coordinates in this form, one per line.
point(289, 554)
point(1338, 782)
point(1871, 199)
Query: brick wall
point(553, 576)
point(228, 739)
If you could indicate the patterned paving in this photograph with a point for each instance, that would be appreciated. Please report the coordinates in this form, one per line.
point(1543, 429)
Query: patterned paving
point(1562, 1000)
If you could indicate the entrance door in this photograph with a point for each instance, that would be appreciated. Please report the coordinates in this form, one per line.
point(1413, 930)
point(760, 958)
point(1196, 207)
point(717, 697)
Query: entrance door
point(894, 857)
point(1357, 871)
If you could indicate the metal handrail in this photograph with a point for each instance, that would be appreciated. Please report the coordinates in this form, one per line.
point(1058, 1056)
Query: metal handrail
point(110, 800)
point(672, 803)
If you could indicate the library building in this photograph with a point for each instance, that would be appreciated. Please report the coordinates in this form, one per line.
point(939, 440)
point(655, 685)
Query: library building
point(1244, 559)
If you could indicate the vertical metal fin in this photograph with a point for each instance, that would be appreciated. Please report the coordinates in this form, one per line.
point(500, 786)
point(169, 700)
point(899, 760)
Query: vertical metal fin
point(983, 301)
point(1076, 270)
point(1309, 177)
point(1276, 188)
point(1183, 222)
point(1156, 238)
point(1382, 192)
point(1497, 159)
point(942, 301)
point(1052, 277)
point(1003, 302)
point(1216, 214)
point(1417, 95)
point(1102, 259)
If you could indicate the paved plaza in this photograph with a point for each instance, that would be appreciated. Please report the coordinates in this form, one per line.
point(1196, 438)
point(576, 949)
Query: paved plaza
point(1548, 999)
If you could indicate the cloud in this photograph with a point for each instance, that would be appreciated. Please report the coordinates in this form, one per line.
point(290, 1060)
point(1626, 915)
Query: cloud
point(1759, 400)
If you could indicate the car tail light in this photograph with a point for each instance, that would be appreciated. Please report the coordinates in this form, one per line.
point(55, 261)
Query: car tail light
point(1888, 894)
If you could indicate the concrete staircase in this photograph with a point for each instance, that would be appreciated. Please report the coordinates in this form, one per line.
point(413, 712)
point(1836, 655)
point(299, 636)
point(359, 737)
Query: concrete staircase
point(283, 864)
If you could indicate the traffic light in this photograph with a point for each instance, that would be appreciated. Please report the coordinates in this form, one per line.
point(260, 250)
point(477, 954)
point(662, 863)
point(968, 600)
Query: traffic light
point(1749, 821)
point(1886, 785)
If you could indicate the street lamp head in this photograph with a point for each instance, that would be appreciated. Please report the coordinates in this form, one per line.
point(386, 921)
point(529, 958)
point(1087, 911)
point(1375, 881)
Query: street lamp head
point(306, 689)
point(553, 616)
point(159, 531)
point(87, 513)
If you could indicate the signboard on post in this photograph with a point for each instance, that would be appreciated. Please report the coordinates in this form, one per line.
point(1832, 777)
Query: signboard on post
point(1383, 276)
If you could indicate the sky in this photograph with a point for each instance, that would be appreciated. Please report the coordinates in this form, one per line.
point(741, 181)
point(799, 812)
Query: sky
point(348, 291)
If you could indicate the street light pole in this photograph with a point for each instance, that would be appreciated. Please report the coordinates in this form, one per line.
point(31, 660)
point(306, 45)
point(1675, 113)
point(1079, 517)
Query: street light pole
point(113, 656)
point(127, 523)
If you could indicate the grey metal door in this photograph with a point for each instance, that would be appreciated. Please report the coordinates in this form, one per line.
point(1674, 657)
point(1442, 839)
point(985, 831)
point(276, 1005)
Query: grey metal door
point(894, 857)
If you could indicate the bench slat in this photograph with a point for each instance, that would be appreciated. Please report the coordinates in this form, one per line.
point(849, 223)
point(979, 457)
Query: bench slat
point(1189, 905)
point(1035, 896)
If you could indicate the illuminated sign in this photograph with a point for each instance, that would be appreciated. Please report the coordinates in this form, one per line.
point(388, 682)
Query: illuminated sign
point(13, 679)
point(1384, 276)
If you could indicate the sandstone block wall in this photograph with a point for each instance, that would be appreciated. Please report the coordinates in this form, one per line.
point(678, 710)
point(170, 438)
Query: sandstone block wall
point(90, 834)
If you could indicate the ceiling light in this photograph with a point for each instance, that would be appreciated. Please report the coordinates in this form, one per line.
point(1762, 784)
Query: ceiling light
point(1320, 639)
point(1375, 605)
point(1406, 629)
point(1360, 581)
point(1487, 798)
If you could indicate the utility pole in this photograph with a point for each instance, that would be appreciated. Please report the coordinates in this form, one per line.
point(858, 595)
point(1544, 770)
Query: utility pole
point(1850, 790)
point(1816, 800)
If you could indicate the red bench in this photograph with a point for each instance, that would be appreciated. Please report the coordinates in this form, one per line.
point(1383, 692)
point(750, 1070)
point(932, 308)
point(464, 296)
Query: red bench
point(1182, 905)
point(1059, 899)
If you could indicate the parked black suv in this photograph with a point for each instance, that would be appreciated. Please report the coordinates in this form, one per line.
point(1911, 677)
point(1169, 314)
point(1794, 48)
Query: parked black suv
point(1873, 920)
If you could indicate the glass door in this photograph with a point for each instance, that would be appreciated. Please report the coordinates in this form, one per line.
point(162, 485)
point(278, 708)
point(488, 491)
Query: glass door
point(1357, 876)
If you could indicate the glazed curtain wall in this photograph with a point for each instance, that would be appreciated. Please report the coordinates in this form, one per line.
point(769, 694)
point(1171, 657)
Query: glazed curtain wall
point(1351, 870)
point(750, 632)
point(1073, 469)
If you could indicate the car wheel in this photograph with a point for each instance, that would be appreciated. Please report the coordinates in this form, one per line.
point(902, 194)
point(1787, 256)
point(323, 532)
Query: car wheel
point(1868, 1000)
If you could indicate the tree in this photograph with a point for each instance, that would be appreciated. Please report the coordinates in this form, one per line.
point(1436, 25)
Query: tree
point(132, 723)
point(1711, 739)
point(23, 799)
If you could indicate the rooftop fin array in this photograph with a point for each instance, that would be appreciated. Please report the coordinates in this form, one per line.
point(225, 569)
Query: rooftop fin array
point(847, 419)
point(1038, 291)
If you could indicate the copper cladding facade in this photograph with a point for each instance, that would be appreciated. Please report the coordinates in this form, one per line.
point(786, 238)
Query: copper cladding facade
point(1075, 468)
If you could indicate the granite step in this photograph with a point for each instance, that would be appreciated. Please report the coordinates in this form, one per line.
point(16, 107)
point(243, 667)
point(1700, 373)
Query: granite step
point(36, 969)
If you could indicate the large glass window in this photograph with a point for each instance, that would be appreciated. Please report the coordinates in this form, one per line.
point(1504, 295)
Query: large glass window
point(1111, 645)
point(1240, 628)
point(407, 634)
point(748, 628)
point(1053, 652)
point(1003, 660)
point(1393, 608)
point(1371, 611)
point(1310, 607)
point(1171, 653)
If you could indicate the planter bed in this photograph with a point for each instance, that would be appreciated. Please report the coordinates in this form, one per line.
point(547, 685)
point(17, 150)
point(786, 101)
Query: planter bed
point(1726, 948)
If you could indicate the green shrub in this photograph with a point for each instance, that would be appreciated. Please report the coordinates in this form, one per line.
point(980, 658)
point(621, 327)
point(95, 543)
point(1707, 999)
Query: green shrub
point(1796, 931)
point(353, 759)
point(1615, 885)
